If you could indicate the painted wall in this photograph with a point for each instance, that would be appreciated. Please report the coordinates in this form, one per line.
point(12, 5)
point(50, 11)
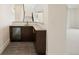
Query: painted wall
point(44, 23)
point(56, 33)
point(19, 12)
point(29, 8)
point(6, 17)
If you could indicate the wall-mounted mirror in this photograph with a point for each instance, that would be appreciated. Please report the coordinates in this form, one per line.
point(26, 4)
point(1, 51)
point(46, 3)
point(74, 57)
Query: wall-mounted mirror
point(29, 12)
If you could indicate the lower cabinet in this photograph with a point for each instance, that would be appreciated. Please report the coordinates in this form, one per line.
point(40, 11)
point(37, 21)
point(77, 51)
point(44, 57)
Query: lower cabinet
point(40, 42)
point(21, 33)
point(28, 33)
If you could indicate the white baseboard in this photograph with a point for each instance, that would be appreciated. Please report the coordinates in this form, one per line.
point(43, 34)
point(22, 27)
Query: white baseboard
point(4, 46)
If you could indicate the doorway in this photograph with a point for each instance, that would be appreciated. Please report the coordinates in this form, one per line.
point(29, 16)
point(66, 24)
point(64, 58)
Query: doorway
point(72, 42)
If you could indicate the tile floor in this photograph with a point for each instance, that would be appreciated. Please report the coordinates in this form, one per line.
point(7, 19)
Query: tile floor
point(20, 48)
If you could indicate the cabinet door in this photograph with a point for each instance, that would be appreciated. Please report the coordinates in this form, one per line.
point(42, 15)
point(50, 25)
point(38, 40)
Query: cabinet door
point(40, 42)
point(27, 33)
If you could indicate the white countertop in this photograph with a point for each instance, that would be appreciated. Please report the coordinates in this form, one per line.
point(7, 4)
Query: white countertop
point(35, 25)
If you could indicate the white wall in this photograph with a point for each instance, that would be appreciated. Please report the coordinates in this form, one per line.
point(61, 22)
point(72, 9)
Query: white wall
point(6, 17)
point(36, 9)
point(45, 16)
point(56, 34)
point(29, 8)
point(44, 23)
point(19, 12)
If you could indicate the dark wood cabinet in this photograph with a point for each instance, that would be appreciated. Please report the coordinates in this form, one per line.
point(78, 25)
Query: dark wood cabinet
point(40, 41)
point(27, 33)
point(21, 33)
